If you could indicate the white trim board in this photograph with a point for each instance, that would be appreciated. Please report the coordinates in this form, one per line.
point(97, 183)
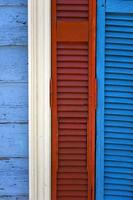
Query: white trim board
point(39, 21)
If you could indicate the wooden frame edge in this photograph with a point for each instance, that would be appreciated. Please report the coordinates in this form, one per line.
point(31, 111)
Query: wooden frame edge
point(54, 138)
point(39, 20)
point(101, 4)
point(92, 94)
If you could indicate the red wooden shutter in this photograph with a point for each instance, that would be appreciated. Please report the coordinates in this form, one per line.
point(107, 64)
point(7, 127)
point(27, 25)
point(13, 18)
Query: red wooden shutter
point(73, 99)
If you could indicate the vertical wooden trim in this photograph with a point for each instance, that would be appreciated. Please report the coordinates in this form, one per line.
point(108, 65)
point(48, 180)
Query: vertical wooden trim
point(92, 96)
point(39, 100)
point(100, 107)
point(54, 104)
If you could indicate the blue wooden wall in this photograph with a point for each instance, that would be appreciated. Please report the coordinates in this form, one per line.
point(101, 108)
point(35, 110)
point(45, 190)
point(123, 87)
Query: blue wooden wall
point(13, 100)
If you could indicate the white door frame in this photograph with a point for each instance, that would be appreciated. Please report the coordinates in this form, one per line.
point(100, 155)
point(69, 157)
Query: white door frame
point(39, 21)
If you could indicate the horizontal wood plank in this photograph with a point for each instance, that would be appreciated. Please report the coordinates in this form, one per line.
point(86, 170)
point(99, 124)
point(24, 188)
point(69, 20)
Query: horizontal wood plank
point(13, 101)
point(13, 140)
point(15, 68)
point(13, 26)
point(13, 114)
point(13, 94)
point(13, 2)
point(16, 197)
point(13, 176)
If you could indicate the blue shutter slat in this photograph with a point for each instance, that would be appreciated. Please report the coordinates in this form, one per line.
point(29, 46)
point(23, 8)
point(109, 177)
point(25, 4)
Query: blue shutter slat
point(115, 100)
point(119, 82)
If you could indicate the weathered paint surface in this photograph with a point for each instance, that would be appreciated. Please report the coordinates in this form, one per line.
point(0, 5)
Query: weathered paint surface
point(13, 100)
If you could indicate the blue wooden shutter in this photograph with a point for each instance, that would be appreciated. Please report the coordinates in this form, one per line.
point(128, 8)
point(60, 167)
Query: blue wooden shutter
point(115, 100)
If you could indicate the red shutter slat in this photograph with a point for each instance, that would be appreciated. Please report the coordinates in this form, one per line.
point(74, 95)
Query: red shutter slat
point(73, 99)
point(68, 10)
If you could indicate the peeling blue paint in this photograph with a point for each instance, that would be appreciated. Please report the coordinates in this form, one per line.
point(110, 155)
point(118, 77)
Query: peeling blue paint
point(13, 2)
point(13, 100)
point(13, 25)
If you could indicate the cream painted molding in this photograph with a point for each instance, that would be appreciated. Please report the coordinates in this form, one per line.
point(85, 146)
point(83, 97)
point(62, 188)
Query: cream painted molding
point(39, 20)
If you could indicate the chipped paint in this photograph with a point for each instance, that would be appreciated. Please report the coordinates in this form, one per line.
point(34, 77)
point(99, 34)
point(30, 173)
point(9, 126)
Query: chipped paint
point(13, 100)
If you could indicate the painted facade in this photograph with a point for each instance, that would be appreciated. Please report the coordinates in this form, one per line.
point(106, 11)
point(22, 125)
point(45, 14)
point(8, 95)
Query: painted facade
point(13, 100)
point(114, 107)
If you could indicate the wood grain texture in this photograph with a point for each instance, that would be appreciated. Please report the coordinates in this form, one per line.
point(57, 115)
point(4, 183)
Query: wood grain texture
point(14, 147)
point(13, 114)
point(13, 94)
point(13, 2)
point(13, 176)
point(16, 66)
point(13, 25)
point(13, 100)
point(9, 197)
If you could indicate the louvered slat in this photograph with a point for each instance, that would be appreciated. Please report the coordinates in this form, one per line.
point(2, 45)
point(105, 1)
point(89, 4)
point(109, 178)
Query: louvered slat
point(72, 133)
point(117, 99)
point(72, 10)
